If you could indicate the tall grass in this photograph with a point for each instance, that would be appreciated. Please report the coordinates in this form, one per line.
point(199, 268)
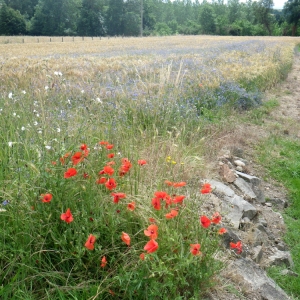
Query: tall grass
point(156, 99)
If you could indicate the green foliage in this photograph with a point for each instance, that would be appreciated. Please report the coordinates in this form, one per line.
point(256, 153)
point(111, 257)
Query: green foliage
point(114, 17)
point(91, 21)
point(132, 23)
point(281, 158)
point(292, 13)
point(119, 17)
point(162, 29)
point(258, 114)
point(47, 256)
point(55, 17)
point(207, 19)
point(190, 28)
point(25, 7)
point(11, 21)
point(262, 12)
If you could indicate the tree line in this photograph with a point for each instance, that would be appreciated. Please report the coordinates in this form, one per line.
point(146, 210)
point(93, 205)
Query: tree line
point(147, 17)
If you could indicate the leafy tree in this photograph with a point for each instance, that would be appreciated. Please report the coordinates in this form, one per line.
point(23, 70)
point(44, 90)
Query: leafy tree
point(173, 25)
point(132, 24)
point(132, 18)
point(55, 17)
point(91, 21)
point(149, 17)
point(262, 11)
point(11, 21)
point(207, 19)
point(26, 7)
point(234, 10)
point(292, 13)
point(115, 17)
point(190, 28)
point(163, 29)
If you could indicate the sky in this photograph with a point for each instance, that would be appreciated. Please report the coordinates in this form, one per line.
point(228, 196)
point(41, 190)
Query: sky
point(278, 3)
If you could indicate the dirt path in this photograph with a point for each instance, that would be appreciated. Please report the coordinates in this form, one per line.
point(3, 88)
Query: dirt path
point(288, 94)
point(283, 120)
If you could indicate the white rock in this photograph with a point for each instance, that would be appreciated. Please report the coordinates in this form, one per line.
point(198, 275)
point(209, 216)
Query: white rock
point(239, 163)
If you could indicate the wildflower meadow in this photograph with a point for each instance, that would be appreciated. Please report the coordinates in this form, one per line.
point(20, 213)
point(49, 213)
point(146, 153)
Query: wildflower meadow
point(102, 161)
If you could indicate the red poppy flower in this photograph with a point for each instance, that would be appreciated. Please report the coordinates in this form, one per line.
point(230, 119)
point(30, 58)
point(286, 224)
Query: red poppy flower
point(179, 184)
point(83, 147)
point(118, 196)
point(110, 155)
point(70, 173)
point(169, 183)
point(108, 170)
point(160, 195)
point(103, 262)
point(238, 246)
point(125, 167)
point(54, 163)
point(86, 152)
point(178, 199)
point(89, 244)
point(205, 221)
point(168, 200)
point(206, 188)
point(142, 256)
point(216, 218)
point(156, 203)
point(46, 198)
point(67, 216)
point(195, 249)
point(101, 180)
point(131, 206)
point(152, 220)
point(172, 214)
point(77, 158)
point(111, 163)
point(152, 232)
point(103, 143)
point(222, 230)
point(109, 146)
point(111, 184)
point(142, 162)
point(63, 159)
point(125, 238)
point(86, 175)
point(151, 246)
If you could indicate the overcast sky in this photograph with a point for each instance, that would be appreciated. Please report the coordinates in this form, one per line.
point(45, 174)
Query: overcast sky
point(279, 3)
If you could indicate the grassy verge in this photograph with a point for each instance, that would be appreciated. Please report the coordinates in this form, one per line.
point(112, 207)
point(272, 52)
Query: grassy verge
point(76, 202)
point(281, 157)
